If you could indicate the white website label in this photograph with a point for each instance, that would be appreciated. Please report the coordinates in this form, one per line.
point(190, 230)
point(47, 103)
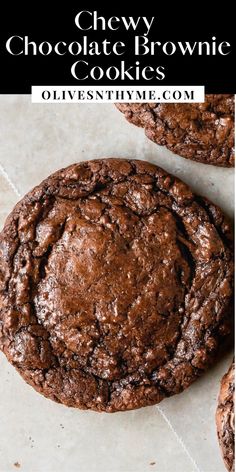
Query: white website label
point(115, 94)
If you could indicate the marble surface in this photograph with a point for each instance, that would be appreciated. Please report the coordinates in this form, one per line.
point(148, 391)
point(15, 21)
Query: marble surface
point(37, 435)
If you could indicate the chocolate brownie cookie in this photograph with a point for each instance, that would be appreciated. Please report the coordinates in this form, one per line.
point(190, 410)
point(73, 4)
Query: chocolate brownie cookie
point(203, 132)
point(225, 418)
point(115, 285)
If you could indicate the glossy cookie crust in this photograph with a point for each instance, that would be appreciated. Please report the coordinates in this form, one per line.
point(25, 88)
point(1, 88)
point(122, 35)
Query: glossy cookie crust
point(225, 418)
point(115, 285)
point(202, 132)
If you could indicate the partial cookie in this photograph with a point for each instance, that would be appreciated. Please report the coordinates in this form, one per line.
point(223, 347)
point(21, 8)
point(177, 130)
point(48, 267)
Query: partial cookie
point(203, 132)
point(225, 418)
point(115, 285)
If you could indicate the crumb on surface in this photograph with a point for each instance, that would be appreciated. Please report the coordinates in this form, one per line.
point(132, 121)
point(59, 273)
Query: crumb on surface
point(152, 463)
point(17, 464)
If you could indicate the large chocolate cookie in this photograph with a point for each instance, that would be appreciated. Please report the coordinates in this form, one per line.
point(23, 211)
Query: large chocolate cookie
point(203, 132)
point(225, 418)
point(115, 285)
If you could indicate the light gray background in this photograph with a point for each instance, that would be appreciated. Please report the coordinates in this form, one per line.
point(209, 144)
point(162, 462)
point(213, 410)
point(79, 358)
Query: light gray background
point(37, 435)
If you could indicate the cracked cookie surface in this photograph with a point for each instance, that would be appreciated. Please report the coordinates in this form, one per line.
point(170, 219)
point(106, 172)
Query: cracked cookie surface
point(115, 285)
point(203, 132)
point(225, 418)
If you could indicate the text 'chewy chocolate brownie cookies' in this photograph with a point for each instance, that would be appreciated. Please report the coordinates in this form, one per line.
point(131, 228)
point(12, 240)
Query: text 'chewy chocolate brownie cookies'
point(225, 418)
point(115, 285)
point(203, 132)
